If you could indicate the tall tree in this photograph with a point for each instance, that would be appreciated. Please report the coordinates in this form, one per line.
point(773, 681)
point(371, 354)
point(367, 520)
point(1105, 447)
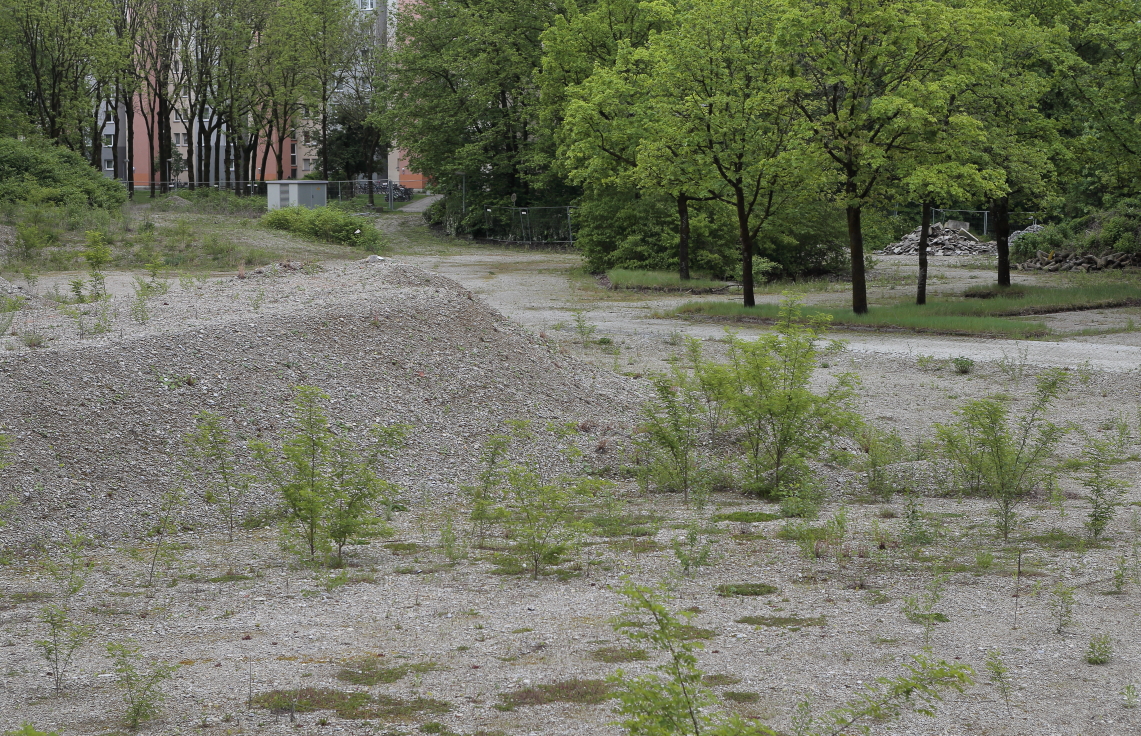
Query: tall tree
point(869, 75)
point(464, 96)
point(722, 115)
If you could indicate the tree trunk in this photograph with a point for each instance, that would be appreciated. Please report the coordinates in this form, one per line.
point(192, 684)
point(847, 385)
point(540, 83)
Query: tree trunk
point(748, 298)
point(129, 162)
point(856, 246)
point(924, 236)
point(1000, 210)
point(683, 237)
point(193, 123)
point(116, 138)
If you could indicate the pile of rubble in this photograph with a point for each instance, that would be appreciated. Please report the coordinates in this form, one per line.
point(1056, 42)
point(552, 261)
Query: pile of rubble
point(1070, 261)
point(943, 241)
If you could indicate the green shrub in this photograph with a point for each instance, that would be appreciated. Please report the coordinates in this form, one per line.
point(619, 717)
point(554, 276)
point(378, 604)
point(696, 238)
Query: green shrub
point(38, 172)
point(1116, 229)
point(329, 224)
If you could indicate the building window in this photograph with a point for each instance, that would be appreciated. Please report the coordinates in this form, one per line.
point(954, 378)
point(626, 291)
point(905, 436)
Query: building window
point(181, 139)
point(293, 155)
point(306, 164)
point(109, 164)
point(108, 140)
point(368, 4)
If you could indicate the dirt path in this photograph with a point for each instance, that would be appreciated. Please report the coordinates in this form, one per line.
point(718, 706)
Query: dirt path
point(541, 290)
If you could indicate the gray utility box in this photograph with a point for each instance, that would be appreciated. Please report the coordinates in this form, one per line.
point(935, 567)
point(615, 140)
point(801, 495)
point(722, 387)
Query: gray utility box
point(304, 193)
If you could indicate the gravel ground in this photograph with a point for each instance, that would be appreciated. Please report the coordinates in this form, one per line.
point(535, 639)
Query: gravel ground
point(96, 422)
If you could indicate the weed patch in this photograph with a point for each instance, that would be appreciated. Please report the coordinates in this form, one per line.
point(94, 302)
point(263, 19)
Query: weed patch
point(720, 679)
point(617, 655)
point(729, 590)
point(788, 622)
point(746, 517)
point(589, 692)
point(734, 696)
point(368, 671)
point(621, 278)
point(348, 705)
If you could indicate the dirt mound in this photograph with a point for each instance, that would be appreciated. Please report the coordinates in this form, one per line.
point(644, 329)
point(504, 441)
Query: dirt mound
point(97, 423)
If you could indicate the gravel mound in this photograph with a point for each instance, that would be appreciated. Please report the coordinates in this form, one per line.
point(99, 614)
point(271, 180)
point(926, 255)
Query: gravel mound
point(97, 422)
point(941, 242)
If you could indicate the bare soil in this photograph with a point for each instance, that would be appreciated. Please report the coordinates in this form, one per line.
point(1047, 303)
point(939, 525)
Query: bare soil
point(454, 339)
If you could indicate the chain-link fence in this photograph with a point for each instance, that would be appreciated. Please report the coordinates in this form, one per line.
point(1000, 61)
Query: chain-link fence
point(529, 225)
point(980, 220)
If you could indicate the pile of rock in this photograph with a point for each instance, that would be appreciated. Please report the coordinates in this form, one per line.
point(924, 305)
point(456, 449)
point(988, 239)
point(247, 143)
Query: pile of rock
point(1069, 261)
point(943, 241)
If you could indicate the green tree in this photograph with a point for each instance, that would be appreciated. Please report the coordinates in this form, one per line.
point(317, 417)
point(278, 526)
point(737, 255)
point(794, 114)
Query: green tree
point(870, 78)
point(721, 116)
point(331, 488)
point(218, 470)
point(142, 689)
point(463, 97)
point(670, 437)
point(783, 423)
point(1006, 457)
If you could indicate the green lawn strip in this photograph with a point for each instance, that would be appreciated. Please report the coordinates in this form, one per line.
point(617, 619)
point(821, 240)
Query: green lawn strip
point(966, 316)
point(901, 317)
point(622, 278)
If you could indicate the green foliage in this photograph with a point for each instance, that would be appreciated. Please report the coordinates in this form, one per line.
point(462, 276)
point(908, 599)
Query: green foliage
point(539, 514)
point(1062, 606)
point(330, 488)
point(329, 224)
point(1100, 649)
point(783, 424)
point(98, 256)
point(1005, 457)
point(166, 525)
point(691, 550)
point(998, 675)
point(881, 449)
point(36, 172)
point(141, 688)
point(1103, 491)
point(217, 469)
point(63, 639)
point(963, 364)
point(27, 729)
point(669, 440)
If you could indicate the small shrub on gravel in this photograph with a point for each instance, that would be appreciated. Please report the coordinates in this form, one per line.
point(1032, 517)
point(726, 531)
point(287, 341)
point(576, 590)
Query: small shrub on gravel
point(617, 655)
point(27, 729)
point(590, 692)
point(213, 461)
point(746, 589)
point(328, 224)
point(1100, 649)
point(330, 487)
point(142, 689)
point(1002, 456)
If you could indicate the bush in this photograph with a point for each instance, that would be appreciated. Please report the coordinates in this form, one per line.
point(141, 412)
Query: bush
point(1116, 229)
point(36, 172)
point(328, 224)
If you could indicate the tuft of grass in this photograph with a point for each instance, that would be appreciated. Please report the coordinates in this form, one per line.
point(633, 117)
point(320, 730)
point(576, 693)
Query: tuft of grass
point(740, 697)
point(720, 679)
point(789, 622)
point(621, 278)
point(746, 516)
point(994, 291)
point(635, 545)
point(402, 547)
point(625, 525)
point(590, 692)
point(368, 671)
point(688, 632)
point(348, 705)
point(1060, 540)
point(617, 655)
point(735, 589)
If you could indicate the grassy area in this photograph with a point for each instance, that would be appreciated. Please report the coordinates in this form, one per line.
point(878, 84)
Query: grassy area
point(987, 313)
point(621, 278)
point(988, 310)
point(938, 318)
